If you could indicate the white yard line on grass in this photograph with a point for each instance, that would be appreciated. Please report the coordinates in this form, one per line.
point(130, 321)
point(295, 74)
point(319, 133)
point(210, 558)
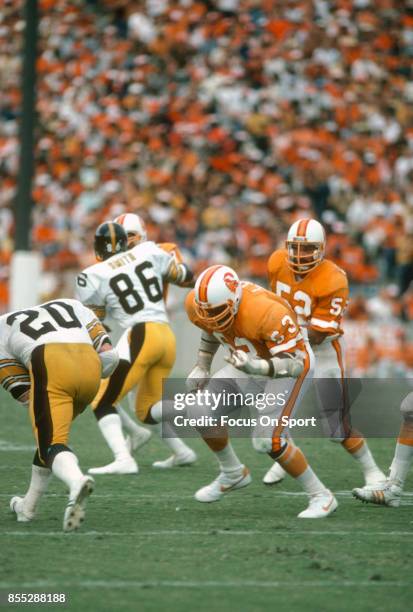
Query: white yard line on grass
point(27, 532)
point(7, 446)
point(196, 584)
point(177, 496)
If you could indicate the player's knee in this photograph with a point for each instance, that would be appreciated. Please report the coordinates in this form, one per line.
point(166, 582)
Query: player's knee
point(143, 414)
point(262, 445)
point(406, 407)
point(102, 410)
point(53, 450)
point(37, 460)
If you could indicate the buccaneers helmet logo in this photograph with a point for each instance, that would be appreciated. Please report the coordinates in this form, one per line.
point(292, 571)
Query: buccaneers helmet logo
point(231, 282)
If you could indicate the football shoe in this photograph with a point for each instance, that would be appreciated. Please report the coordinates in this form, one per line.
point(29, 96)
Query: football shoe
point(187, 458)
point(385, 495)
point(75, 510)
point(274, 475)
point(17, 506)
point(321, 505)
point(225, 483)
point(127, 465)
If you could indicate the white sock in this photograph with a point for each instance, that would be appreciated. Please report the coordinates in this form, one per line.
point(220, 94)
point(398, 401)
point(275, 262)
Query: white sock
point(365, 459)
point(66, 467)
point(38, 485)
point(401, 464)
point(311, 484)
point(164, 411)
point(168, 436)
point(228, 460)
point(111, 428)
point(167, 432)
point(156, 412)
point(128, 423)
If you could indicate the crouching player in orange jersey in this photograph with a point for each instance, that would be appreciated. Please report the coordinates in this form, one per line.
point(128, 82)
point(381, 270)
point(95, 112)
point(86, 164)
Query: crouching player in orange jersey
point(317, 291)
point(263, 339)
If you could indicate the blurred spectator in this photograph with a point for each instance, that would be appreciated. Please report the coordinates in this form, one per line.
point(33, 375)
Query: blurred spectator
point(220, 122)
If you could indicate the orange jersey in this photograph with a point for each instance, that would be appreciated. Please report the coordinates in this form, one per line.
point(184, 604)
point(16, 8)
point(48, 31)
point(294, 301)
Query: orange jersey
point(171, 248)
point(264, 325)
point(318, 298)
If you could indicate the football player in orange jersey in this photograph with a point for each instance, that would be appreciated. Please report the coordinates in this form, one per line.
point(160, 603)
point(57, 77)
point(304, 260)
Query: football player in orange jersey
point(389, 492)
point(318, 292)
point(262, 337)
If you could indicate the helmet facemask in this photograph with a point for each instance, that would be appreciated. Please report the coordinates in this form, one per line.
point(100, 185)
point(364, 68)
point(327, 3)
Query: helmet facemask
point(134, 228)
point(218, 293)
point(134, 239)
point(218, 318)
point(304, 256)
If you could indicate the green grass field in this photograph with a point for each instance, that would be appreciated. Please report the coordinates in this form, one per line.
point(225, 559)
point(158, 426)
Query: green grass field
point(148, 545)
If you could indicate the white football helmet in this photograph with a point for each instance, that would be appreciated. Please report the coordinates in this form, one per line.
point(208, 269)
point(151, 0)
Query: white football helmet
point(306, 243)
point(134, 227)
point(218, 294)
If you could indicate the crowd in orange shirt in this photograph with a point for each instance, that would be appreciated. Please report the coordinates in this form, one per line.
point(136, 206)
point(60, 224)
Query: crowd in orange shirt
point(220, 122)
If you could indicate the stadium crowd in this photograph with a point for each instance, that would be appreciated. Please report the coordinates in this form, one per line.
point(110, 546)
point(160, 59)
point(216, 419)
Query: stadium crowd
point(220, 122)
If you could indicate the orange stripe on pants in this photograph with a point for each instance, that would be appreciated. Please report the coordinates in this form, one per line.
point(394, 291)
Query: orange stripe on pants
point(276, 435)
point(345, 409)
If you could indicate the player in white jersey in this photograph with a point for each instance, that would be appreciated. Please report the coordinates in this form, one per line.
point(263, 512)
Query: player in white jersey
point(137, 435)
point(52, 356)
point(127, 285)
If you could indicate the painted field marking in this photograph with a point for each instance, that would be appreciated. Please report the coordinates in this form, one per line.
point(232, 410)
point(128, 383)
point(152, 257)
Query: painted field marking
point(27, 532)
point(196, 584)
point(138, 495)
point(7, 446)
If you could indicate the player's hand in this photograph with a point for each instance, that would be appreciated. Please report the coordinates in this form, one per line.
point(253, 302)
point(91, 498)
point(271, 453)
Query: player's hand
point(240, 360)
point(109, 359)
point(287, 367)
point(197, 379)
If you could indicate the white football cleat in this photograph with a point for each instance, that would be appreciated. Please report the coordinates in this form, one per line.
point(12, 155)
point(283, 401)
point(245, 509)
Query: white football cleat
point(274, 475)
point(127, 465)
point(137, 439)
point(385, 495)
point(75, 510)
point(320, 506)
point(176, 461)
point(17, 506)
point(376, 478)
point(222, 485)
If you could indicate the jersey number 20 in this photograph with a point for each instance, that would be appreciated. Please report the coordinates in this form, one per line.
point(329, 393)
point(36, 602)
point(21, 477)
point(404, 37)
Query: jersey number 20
point(28, 324)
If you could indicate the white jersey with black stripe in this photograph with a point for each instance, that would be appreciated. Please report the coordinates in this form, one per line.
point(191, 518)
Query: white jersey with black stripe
point(127, 287)
point(58, 321)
